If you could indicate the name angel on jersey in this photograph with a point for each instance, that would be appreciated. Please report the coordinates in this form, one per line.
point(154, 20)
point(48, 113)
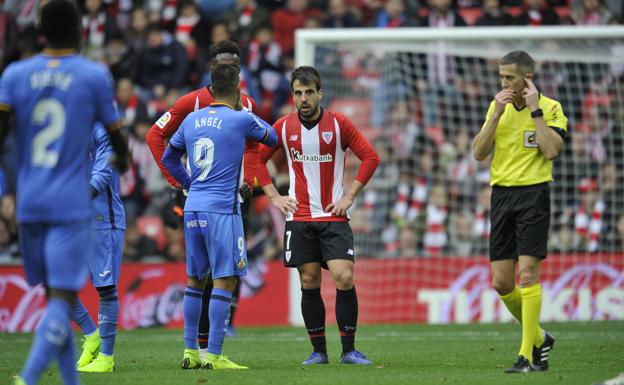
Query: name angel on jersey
point(298, 157)
point(208, 122)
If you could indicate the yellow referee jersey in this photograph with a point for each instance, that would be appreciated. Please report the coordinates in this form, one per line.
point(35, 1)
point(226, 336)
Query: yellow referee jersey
point(517, 160)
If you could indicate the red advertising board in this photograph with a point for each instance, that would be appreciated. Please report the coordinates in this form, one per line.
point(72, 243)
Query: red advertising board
point(150, 295)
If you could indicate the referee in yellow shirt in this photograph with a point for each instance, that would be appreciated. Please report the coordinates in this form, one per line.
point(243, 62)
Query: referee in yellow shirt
point(525, 130)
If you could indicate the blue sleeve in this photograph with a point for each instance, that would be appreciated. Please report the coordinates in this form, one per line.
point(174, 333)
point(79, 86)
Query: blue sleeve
point(102, 173)
point(261, 131)
point(5, 86)
point(171, 160)
point(106, 108)
point(177, 140)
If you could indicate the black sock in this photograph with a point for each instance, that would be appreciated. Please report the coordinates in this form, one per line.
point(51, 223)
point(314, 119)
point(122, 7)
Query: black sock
point(204, 321)
point(346, 316)
point(234, 301)
point(313, 310)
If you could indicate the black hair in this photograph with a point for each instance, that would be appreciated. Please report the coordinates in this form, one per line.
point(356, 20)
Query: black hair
point(225, 80)
point(60, 24)
point(521, 59)
point(224, 46)
point(306, 75)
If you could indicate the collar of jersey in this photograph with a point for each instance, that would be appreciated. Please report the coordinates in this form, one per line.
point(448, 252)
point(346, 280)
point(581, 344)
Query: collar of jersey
point(59, 51)
point(215, 104)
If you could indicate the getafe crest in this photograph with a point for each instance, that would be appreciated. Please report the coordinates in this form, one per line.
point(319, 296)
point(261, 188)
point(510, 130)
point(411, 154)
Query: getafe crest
point(328, 136)
point(241, 264)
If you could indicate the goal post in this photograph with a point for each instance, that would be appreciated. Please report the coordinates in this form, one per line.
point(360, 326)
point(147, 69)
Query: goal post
point(421, 226)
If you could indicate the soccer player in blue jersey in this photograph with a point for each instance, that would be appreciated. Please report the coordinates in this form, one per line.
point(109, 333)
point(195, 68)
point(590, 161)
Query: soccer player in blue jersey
point(108, 223)
point(56, 97)
point(214, 138)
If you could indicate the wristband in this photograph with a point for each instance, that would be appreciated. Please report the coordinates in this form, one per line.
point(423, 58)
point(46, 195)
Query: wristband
point(537, 113)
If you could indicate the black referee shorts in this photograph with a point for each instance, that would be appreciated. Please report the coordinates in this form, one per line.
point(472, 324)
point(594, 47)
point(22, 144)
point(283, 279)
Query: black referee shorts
point(520, 218)
point(306, 242)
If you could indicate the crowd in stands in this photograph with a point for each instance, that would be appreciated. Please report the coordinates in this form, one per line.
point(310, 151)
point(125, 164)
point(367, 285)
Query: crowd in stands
point(157, 50)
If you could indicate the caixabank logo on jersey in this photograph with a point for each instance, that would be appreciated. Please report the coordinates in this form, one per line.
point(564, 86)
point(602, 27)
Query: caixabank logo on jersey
point(316, 158)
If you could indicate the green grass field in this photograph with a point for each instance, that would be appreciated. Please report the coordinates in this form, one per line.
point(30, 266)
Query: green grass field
point(402, 354)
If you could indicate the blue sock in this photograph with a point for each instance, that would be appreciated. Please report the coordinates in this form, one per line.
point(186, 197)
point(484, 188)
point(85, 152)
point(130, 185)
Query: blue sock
point(67, 362)
point(192, 304)
point(81, 316)
point(219, 313)
point(107, 318)
point(51, 337)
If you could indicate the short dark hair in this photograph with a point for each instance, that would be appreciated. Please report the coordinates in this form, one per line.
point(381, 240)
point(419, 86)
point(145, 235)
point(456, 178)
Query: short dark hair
point(306, 75)
point(224, 80)
point(60, 24)
point(521, 59)
point(224, 46)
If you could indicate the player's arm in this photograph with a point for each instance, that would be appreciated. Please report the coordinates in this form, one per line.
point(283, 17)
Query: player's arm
point(285, 204)
point(362, 148)
point(101, 174)
point(164, 128)
point(550, 141)
point(5, 103)
point(5, 113)
point(119, 145)
point(172, 159)
point(483, 143)
point(259, 131)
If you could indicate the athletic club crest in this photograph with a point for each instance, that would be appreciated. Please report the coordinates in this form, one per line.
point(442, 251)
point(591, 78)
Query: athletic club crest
point(328, 136)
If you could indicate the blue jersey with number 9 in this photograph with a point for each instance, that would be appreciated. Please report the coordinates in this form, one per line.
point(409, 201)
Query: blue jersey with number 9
point(214, 140)
point(56, 100)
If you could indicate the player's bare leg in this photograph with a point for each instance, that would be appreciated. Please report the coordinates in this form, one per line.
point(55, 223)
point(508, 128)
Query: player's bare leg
point(313, 311)
point(346, 310)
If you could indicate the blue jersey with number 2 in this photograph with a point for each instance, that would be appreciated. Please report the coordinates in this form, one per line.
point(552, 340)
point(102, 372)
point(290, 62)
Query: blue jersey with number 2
point(214, 140)
point(57, 100)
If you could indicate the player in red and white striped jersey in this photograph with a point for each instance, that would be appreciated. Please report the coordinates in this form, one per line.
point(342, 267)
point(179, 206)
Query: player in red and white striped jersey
point(317, 230)
point(224, 52)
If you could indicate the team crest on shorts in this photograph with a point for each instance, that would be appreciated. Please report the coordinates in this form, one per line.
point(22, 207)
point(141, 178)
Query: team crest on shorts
point(241, 264)
point(328, 136)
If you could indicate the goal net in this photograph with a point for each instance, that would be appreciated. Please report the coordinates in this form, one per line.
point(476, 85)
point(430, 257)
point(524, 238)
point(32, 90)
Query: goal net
point(422, 226)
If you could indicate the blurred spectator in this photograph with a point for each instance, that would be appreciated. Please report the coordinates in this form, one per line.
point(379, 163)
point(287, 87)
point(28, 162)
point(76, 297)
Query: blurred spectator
point(192, 31)
point(408, 243)
point(137, 33)
point(393, 15)
point(494, 15)
point(244, 19)
point(130, 106)
point(120, 57)
point(435, 240)
point(286, 20)
point(7, 213)
point(22, 12)
point(137, 245)
point(588, 215)
point(97, 27)
point(215, 8)
point(441, 15)
point(536, 13)
point(148, 170)
point(461, 239)
point(4, 182)
point(162, 62)
point(592, 12)
point(340, 16)
point(8, 242)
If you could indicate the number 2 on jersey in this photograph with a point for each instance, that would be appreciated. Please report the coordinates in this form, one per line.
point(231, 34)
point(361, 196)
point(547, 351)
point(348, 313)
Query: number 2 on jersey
point(203, 156)
point(54, 111)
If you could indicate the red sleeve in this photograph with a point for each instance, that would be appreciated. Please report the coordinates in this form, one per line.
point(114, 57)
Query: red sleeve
point(266, 152)
point(164, 128)
point(249, 103)
point(251, 159)
point(353, 139)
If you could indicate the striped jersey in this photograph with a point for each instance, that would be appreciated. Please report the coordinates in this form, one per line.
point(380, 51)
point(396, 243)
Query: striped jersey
point(316, 161)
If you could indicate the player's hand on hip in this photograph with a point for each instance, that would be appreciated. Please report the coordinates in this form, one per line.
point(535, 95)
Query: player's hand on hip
point(285, 204)
point(502, 98)
point(531, 95)
point(245, 191)
point(340, 207)
point(119, 162)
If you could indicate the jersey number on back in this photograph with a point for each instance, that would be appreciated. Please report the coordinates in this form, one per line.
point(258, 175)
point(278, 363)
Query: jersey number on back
point(53, 111)
point(203, 156)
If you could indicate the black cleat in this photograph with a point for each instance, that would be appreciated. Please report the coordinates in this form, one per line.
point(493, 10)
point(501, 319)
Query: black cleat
point(521, 366)
point(540, 355)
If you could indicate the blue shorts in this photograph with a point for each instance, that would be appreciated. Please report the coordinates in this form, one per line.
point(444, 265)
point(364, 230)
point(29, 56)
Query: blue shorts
point(56, 254)
point(214, 243)
point(105, 264)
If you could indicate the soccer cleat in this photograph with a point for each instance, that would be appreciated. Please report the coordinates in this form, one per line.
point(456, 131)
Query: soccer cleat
point(316, 358)
point(355, 357)
point(230, 331)
point(214, 361)
point(521, 366)
point(90, 349)
point(618, 380)
point(17, 380)
point(191, 359)
point(101, 364)
point(540, 355)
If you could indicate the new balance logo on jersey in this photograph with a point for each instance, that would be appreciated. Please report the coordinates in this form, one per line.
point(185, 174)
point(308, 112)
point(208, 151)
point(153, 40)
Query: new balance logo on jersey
point(104, 273)
point(350, 251)
point(293, 138)
point(298, 157)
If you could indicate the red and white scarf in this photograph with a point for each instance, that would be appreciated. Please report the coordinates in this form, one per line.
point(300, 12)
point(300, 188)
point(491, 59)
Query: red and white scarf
point(590, 226)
